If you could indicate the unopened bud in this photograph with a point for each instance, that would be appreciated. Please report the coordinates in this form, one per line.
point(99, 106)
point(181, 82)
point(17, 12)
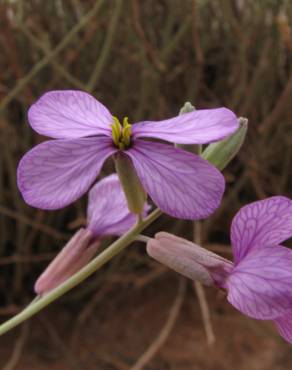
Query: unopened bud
point(189, 259)
point(187, 107)
point(131, 184)
point(222, 152)
point(76, 254)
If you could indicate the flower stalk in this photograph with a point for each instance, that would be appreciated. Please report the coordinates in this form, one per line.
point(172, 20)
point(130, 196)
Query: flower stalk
point(42, 301)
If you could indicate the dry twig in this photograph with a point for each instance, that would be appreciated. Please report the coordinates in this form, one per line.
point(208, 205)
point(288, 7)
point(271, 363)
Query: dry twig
point(159, 341)
point(18, 348)
point(201, 293)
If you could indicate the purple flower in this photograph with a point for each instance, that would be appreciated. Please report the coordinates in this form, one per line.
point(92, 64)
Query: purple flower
point(259, 282)
point(107, 214)
point(58, 172)
point(107, 211)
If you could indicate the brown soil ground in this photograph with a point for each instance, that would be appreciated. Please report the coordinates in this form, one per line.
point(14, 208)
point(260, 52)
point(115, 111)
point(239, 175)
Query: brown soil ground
point(112, 333)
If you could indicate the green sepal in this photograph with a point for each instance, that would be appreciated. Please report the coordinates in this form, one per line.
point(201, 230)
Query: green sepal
point(222, 152)
point(187, 108)
point(131, 184)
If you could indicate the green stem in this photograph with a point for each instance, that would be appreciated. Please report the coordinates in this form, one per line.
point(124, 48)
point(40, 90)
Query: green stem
point(142, 238)
point(115, 248)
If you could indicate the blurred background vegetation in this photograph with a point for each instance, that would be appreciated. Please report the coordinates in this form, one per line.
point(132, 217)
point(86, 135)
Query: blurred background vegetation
point(142, 59)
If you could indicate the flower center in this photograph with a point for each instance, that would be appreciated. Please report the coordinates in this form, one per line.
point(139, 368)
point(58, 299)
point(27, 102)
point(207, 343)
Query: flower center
point(121, 133)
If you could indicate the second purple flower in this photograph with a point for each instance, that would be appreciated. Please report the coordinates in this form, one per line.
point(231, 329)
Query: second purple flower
point(58, 172)
point(259, 281)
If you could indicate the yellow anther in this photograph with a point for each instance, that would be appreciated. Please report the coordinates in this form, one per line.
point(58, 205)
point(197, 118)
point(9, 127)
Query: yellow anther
point(121, 134)
point(116, 131)
point(126, 134)
point(115, 134)
point(126, 122)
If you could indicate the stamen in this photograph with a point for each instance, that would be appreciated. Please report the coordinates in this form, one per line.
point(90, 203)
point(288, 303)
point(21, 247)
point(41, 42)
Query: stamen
point(126, 122)
point(126, 134)
point(121, 133)
point(116, 131)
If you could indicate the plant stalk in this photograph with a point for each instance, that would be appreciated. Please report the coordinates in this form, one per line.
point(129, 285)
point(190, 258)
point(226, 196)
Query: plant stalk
point(40, 303)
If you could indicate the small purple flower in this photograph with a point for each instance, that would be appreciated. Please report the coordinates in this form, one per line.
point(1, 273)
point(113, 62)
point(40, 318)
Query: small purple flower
point(107, 214)
point(58, 172)
point(259, 282)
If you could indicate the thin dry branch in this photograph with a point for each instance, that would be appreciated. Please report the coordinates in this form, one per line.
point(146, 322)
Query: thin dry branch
point(15, 259)
point(205, 311)
point(282, 104)
point(59, 342)
point(45, 49)
point(43, 62)
point(18, 348)
point(148, 47)
point(27, 221)
point(104, 54)
point(159, 341)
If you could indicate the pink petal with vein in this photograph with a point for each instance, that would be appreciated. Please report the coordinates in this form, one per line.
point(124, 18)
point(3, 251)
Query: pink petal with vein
point(107, 211)
point(197, 127)
point(69, 114)
point(284, 326)
point(58, 172)
point(261, 224)
point(260, 286)
point(180, 183)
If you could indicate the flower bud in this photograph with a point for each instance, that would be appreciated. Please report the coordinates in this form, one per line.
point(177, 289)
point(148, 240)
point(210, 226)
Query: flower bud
point(131, 184)
point(189, 259)
point(222, 152)
point(187, 107)
point(76, 254)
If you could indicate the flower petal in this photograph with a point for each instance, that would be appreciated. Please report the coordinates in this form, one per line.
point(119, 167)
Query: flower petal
point(261, 224)
point(69, 114)
point(107, 211)
point(58, 172)
point(197, 127)
point(260, 286)
point(284, 326)
point(180, 183)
